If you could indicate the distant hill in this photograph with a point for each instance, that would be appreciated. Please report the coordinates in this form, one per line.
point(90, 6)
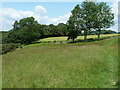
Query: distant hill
point(104, 32)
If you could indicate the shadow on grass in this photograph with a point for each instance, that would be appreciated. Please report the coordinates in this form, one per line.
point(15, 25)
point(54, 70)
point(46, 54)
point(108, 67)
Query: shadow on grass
point(91, 39)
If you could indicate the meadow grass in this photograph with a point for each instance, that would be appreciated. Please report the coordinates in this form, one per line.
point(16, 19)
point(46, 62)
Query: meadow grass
point(75, 65)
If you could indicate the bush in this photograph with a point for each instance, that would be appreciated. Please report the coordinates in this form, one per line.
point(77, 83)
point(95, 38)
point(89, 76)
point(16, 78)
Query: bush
point(9, 47)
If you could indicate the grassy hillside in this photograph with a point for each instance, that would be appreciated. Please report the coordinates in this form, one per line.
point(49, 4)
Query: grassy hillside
point(81, 65)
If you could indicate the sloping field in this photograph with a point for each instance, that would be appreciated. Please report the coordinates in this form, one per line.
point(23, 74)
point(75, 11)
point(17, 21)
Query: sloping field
point(76, 65)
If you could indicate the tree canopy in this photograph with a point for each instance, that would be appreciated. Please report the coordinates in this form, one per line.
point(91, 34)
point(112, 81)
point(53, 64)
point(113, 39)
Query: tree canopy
point(89, 16)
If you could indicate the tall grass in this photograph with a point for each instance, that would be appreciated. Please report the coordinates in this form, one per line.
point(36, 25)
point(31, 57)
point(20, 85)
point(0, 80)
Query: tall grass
point(78, 65)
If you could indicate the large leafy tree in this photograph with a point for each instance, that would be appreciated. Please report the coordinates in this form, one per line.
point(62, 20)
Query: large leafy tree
point(104, 17)
point(74, 23)
point(88, 13)
point(24, 31)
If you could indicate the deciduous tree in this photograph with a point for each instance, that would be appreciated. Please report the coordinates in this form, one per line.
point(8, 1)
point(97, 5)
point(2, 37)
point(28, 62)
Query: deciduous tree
point(104, 17)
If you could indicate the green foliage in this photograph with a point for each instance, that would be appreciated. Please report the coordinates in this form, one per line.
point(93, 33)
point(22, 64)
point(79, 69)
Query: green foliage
point(30, 21)
point(27, 31)
point(104, 17)
point(24, 32)
point(53, 30)
point(8, 47)
point(73, 23)
point(3, 35)
point(88, 13)
point(89, 16)
point(62, 28)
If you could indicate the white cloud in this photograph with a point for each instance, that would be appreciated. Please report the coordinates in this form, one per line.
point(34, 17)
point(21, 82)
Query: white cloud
point(115, 11)
point(40, 10)
point(13, 14)
point(10, 15)
point(60, 19)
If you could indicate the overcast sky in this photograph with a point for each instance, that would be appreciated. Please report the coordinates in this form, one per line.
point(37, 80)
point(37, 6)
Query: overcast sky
point(43, 12)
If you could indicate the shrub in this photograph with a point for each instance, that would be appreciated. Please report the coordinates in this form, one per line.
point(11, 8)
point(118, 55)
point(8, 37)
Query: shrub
point(9, 47)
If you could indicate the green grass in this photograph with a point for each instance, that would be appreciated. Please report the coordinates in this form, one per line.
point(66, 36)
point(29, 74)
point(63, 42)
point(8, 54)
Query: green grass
point(63, 39)
point(76, 65)
point(36, 44)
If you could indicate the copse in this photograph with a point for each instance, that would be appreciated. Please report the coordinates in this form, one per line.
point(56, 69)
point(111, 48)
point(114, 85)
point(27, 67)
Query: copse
point(89, 16)
point(81, 20)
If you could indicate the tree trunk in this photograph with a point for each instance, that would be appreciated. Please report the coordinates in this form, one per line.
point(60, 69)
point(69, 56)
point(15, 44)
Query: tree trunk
point(68, 38)
point(85, 37)
point(99, 35)
point(73, 39)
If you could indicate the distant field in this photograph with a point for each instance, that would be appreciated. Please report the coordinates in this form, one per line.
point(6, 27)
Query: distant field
point(79, 37)
point(64, 39)
point(76, 65)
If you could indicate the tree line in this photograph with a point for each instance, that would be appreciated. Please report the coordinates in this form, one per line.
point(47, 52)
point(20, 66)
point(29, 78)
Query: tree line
point(28, 30)
point(85, 19)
